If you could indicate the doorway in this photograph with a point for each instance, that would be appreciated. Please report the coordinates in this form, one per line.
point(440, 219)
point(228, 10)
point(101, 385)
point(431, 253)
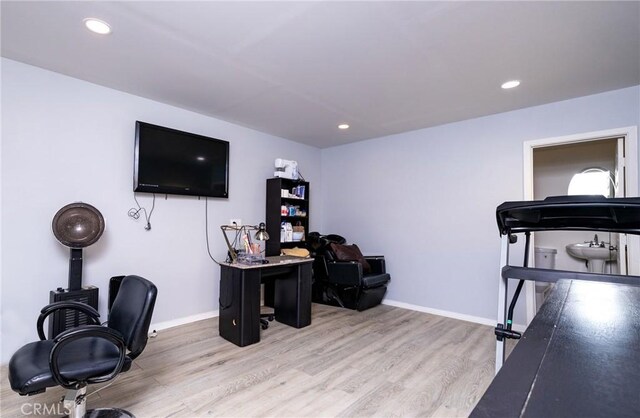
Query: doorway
point(549, 166)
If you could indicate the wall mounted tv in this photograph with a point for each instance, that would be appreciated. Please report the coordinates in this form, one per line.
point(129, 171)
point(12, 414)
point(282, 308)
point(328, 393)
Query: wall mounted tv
point(176, 162)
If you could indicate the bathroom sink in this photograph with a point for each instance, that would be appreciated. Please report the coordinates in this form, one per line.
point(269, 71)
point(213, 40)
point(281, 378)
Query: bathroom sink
point(586, 252)
point(596, 256)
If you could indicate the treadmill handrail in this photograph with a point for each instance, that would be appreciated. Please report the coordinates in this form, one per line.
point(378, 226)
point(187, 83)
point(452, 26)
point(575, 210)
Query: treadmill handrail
point(571, 213)
point(552, 276)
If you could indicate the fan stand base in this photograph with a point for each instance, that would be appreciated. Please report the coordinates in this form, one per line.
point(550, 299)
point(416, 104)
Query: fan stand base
point(76, 403)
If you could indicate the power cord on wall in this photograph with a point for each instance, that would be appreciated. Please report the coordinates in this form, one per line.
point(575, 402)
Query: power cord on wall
point(229, 292)
point(135, 213)
point(206, 228)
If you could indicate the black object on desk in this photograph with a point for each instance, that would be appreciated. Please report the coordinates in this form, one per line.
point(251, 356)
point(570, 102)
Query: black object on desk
point(579, 357)
point(239, 320)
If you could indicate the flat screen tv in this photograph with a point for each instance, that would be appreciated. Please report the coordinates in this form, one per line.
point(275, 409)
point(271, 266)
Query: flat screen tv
point(175, 162)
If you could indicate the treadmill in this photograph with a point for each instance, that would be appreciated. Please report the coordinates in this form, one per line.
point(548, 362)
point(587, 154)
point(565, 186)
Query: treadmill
point(569, 213)
point(580, 355)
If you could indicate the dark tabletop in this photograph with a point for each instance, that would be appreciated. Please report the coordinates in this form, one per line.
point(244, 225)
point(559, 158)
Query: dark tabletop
point(579, 357)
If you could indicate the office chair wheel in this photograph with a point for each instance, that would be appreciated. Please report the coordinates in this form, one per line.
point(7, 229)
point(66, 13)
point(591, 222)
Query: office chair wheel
point(263, 322)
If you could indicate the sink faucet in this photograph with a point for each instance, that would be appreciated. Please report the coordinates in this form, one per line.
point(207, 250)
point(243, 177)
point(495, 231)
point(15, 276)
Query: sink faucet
point(595, 242)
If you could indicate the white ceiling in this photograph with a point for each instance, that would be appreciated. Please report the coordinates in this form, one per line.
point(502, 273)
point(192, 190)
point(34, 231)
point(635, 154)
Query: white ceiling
point(297, 69)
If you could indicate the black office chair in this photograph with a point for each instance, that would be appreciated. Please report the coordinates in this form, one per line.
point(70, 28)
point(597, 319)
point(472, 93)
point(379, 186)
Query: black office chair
point(89, 353)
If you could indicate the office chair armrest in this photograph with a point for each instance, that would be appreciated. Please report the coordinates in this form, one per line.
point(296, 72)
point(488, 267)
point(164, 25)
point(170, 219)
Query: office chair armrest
point(347, 273)
point(91, 313)
point(377, 263)
point(85, 331)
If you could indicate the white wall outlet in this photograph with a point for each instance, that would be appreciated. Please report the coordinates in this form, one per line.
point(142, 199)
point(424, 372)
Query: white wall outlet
point(235, 221)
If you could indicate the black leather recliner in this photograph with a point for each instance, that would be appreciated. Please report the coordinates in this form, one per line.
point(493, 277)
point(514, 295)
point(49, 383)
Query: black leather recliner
point(345, 283)
point(89, 353)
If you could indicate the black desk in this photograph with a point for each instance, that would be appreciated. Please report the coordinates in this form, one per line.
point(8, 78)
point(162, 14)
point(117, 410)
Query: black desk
point(239, 320)
point(579, 357)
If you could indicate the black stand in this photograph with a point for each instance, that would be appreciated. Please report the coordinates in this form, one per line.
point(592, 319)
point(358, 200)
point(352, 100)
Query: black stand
point(75, 268)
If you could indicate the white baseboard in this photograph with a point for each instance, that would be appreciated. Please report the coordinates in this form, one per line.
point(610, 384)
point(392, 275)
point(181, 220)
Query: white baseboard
point(182, 321)
point(455, 315)
point(449, 314)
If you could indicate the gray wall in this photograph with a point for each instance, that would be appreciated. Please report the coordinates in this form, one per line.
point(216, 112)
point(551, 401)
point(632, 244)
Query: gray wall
point(426, 199)
point(66, 140)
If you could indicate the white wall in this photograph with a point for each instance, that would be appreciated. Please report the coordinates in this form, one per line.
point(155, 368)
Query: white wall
point(426, 199)
point(66, 140)
point(553, 168)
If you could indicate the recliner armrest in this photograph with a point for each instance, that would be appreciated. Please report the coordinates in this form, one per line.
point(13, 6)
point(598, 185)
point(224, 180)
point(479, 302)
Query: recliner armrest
point(345, 273)
point(377, 263)
point(91, 313)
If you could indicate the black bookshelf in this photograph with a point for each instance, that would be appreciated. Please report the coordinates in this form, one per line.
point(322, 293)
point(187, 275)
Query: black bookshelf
point(274, 217)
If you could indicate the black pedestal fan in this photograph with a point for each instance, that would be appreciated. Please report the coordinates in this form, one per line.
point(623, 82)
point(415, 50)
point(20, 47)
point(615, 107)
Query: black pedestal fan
point(76, 225)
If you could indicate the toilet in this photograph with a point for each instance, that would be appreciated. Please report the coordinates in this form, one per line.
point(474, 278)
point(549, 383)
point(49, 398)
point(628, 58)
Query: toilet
point(545, 258)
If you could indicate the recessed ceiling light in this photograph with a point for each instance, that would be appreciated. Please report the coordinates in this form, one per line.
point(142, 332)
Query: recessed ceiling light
point(97, 26)
point(343, 126)
point(510, 84)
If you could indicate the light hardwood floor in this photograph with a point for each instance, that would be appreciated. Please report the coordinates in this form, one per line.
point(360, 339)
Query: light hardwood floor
point(384, 362)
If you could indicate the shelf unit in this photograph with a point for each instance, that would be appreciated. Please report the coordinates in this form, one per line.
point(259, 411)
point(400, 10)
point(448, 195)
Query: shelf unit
point(274, 218)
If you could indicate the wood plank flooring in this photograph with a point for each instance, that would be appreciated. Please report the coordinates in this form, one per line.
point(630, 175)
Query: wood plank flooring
point(384, 362)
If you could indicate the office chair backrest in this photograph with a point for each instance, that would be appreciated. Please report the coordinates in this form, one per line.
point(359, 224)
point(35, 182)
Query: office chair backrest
point(131, 312)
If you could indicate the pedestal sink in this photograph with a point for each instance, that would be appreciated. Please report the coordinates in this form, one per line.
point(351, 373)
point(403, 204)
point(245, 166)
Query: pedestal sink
point(597, 256)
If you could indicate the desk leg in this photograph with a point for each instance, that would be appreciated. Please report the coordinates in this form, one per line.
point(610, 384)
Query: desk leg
point(292, 297)
point(239, 320)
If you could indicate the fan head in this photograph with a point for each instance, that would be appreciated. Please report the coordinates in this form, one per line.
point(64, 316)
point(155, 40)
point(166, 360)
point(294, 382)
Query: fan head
point(78, 225)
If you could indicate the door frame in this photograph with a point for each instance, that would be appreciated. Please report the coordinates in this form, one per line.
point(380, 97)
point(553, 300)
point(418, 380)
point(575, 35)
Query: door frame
point(630, 135)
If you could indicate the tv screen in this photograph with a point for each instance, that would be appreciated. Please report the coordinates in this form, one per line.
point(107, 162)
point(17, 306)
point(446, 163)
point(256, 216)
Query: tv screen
point(175, 162)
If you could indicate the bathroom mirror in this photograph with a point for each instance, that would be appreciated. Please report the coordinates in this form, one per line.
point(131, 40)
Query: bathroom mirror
point(592, 181)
